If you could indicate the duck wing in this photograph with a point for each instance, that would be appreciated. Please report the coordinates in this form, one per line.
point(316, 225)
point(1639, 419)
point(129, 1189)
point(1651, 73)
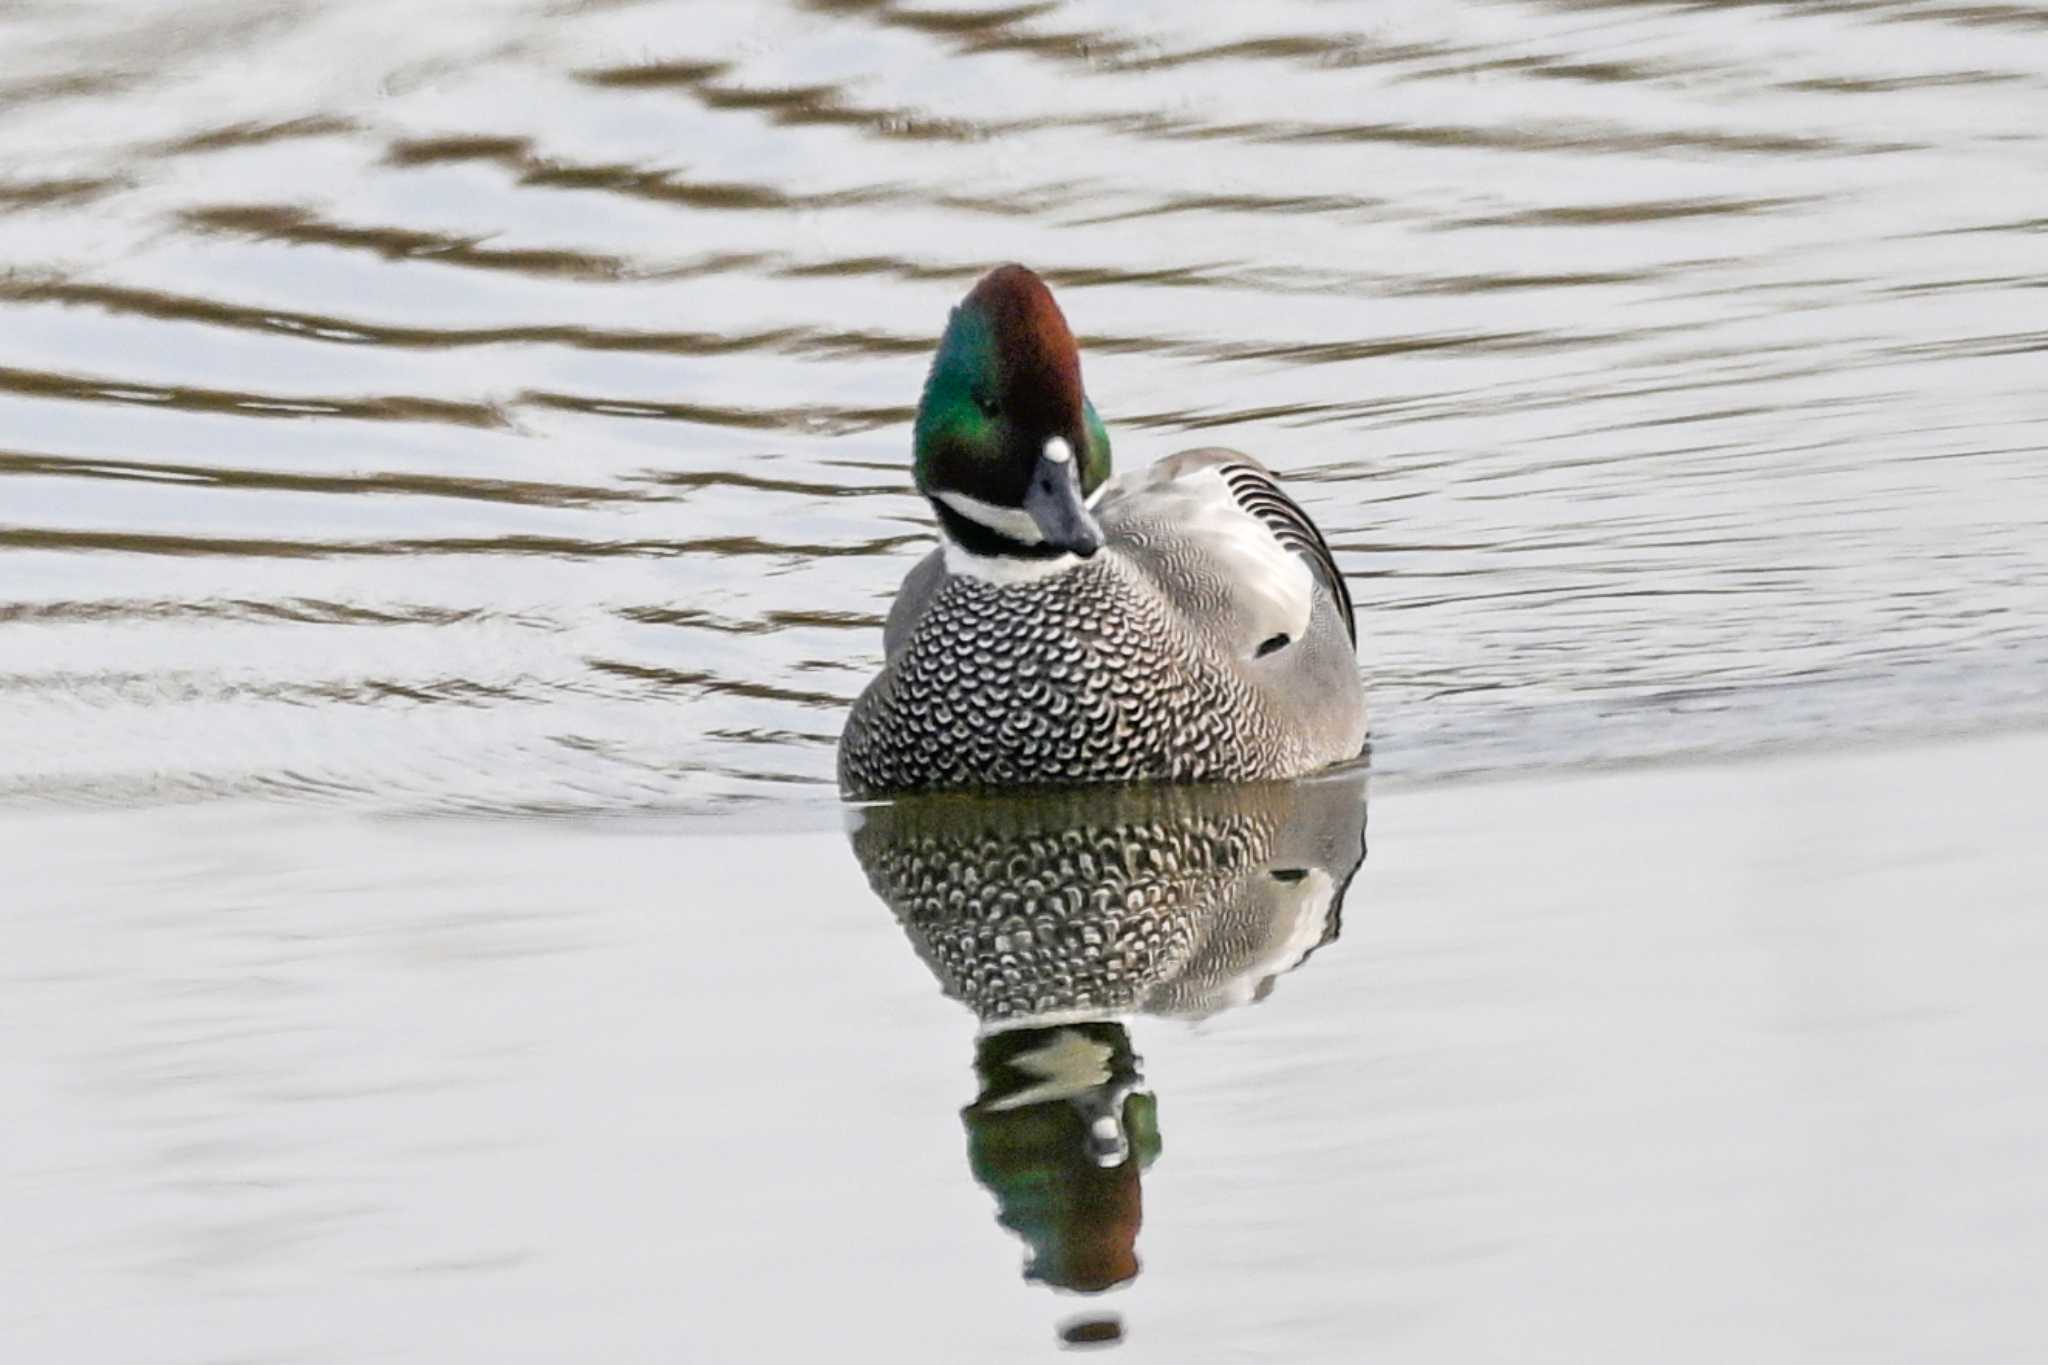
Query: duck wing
point(1216, 532)
point(1259, 493)
point(920, 586)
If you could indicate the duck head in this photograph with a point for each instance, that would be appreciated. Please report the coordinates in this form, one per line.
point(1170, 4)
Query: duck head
point(1009, 449)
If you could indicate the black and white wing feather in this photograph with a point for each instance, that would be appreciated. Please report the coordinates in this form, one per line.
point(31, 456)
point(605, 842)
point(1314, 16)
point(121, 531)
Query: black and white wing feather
point(1260, 494)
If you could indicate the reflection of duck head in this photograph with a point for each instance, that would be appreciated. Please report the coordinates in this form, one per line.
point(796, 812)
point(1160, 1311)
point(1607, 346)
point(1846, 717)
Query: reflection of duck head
point(1055, 917)
point(1059, 1134)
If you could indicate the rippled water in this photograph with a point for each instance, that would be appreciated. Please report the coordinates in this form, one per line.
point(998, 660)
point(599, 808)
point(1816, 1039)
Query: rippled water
point(505, 407)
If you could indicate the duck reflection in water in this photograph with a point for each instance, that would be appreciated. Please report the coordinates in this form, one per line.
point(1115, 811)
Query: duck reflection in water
point(1058, 917)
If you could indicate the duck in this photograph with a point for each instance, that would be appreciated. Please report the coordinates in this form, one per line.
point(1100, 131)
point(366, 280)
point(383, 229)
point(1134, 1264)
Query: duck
point(1182, 623)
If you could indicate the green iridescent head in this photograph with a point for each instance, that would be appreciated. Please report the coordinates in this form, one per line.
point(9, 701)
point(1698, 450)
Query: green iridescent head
point(1008, 446)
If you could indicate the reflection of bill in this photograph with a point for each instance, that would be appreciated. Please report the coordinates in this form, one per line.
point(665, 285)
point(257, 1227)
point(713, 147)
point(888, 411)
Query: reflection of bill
point(1056, 918)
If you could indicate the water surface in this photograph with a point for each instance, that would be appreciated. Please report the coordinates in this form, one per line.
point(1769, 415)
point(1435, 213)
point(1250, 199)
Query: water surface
point(1738, 1062)
point(505, 406)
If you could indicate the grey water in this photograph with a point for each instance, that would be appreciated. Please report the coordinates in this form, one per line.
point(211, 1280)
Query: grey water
point(504, 407)
point(454, 467)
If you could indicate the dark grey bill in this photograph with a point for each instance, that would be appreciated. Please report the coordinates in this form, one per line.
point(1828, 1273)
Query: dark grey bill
point(1054, 502)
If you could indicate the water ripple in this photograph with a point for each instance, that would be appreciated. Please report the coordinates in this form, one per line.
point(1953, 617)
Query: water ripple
point(191, 398)
point(1664, 373)
point(301, 226)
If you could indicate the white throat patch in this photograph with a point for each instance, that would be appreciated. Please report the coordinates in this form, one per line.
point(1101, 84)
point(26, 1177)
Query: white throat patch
point(1012, 523)
point(1003, 570)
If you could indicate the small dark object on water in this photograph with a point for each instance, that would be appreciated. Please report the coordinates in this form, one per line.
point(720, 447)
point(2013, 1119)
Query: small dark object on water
point(1103, 1331)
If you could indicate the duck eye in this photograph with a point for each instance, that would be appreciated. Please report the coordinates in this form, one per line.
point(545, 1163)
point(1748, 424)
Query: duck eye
point(988, 404)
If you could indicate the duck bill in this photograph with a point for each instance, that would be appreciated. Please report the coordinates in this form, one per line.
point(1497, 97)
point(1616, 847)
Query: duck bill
point(1056, 506)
